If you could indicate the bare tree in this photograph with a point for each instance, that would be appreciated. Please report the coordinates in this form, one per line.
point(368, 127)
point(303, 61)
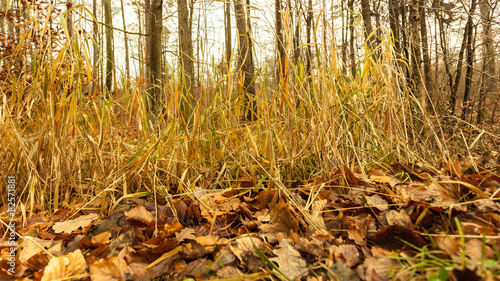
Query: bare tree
point(186, 59)
point(227, 30)
point(470, 53)
point(109, 44)
point(245, 64)
point(425, 47)
point(155, 61)
point(416, 57)
point(280, 71)
point(488, 74)
point(127, 62)
point(367, 20)
point(309, 28)
point(95, 56)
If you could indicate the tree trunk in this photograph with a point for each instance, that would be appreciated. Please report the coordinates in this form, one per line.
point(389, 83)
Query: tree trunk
point(309, 27)
point(394, 24)
point(416, 57)
point(227, 30)
point(350, 5)
point(245, 64)
point(489, 72)
point(404, 34)
point(127, 60)
point(69, 19)
point(296, 35)
point(147, 4)
point(344, 32)
point(470, 63)
point(95, 55)
point(280, 70)
point(109, 44)
point(186, 60)
point(155, 61)
point(425, 48)
point(367, 21)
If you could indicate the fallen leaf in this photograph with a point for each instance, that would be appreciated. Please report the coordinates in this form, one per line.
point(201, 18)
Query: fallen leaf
point(64, 266)
point(139, 215)
point(72, 225)
point(289, 261)
point(185, 234)
point(377, 202)
point(108, 269)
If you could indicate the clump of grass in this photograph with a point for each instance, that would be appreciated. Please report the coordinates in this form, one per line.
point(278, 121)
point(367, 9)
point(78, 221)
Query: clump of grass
point(64, 145)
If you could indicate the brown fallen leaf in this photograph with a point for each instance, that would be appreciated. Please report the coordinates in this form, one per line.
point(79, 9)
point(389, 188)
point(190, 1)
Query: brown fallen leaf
point(289, 261)
point(377, 202)
point(376, 269)
point(65, 266)
point(72, 225)
point(139, 215)
point(283, 220)
point(346, 254)
point(102, 238)
point(108, 269)
point(186, 233)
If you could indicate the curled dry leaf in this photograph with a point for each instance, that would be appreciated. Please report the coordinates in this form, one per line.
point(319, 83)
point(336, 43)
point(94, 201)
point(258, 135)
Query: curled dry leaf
point(72, 225)
point(64, 266)
point(108, 269)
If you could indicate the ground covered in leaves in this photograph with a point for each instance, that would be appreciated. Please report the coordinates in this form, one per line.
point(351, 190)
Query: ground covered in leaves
point(404, 222)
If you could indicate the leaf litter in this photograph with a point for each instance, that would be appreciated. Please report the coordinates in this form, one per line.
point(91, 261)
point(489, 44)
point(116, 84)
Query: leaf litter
point(354, 227)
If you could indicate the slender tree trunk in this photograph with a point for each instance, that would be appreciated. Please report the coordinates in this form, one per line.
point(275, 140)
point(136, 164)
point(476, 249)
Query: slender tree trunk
point(95, 55)
point(227, 30)
point(147, 28)
point(404, 32)
point(344, 32)
point(296, 35)
point(245, 64)
point(465, 40)
point(280, 70)
point(470, 62)
point(394, 23)
point(309, 27)
point(351, 40)
point(109, 44)
point(69, 18)
point(140, 42)
point(489, 72)
point(155, 62)
point(425, 48)
point(416, 57)
point(367, 21)
point(325, 48)
point(127, 60)
point(186, 59)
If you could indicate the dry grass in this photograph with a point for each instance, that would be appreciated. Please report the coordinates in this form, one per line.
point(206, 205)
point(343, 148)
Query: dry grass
point(64, 145)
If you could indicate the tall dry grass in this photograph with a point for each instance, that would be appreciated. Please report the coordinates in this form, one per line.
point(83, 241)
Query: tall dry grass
point(67, 148)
